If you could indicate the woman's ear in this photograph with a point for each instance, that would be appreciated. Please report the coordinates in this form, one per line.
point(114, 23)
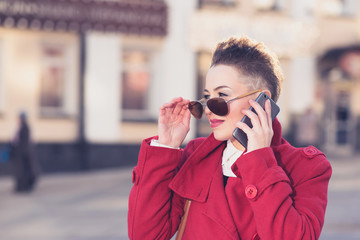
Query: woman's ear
point(267, 92)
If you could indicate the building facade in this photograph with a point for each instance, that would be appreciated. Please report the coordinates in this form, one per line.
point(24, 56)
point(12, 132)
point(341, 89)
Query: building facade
point(317, 43)
point(92, 81)
point(89, 74)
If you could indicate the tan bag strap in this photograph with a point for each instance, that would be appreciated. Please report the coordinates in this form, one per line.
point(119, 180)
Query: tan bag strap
point(183, 220)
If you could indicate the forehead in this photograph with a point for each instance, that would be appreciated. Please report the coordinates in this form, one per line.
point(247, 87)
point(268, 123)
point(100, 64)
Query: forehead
point(224, 75)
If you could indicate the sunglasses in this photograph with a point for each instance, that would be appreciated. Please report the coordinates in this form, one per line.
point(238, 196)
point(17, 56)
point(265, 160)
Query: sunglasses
point(216, 105)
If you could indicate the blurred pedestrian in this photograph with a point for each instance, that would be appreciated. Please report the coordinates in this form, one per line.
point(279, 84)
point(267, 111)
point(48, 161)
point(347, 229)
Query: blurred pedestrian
point(215, 188)
point(25, 165)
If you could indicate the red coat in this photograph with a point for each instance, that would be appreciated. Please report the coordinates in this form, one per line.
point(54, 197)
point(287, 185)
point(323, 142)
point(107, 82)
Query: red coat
point(280, 192)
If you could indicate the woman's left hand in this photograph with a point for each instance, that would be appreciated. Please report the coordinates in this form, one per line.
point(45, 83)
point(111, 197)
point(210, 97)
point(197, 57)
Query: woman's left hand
point(261, 134)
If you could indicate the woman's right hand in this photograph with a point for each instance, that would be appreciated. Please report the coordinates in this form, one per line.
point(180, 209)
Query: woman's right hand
point(174, 122)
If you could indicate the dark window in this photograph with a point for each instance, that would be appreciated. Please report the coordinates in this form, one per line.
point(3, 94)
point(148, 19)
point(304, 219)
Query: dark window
point(136, 78)
point(52, 79)
point(343, 118)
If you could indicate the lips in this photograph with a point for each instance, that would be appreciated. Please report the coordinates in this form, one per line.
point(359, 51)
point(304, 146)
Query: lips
point(215, 123)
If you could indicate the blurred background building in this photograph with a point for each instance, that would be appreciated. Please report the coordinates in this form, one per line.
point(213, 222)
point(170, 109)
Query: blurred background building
point(91, 75)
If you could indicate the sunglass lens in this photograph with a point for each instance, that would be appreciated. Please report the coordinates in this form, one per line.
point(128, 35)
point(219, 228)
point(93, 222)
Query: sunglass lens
point(218, 106)
point(196, 109)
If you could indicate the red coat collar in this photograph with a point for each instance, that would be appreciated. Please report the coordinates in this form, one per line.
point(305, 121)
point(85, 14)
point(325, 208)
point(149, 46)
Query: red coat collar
point(194, 178)
point(277, 138)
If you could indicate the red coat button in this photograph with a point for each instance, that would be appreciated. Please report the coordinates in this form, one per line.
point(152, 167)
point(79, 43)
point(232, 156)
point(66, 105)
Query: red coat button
point(310, 151)
point(256, 237)
point(250, 191)
point(134, 177)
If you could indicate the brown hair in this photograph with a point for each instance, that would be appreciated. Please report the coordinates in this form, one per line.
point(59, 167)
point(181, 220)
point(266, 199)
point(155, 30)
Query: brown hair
point(253, 59)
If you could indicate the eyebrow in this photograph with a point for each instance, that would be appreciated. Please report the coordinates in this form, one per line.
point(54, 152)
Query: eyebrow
point(217, 88)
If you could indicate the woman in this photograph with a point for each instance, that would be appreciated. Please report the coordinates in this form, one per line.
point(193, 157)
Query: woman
point(26, 167)
point(270, 190)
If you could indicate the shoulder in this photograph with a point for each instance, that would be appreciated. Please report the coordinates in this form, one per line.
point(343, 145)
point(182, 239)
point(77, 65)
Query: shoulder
point(316, 160)
point(310, 153)
point(287, 151)
point(190, 147)
point(297, 161)
point(195, 143)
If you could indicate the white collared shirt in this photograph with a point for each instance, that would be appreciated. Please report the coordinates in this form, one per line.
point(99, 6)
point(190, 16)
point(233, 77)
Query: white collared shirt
point(229, 157)
point(155, 143)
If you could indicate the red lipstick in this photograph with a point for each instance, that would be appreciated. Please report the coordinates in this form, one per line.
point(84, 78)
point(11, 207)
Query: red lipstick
point(215, 122)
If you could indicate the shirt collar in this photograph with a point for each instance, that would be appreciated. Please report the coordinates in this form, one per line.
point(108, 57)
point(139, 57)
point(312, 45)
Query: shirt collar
point(229, 157)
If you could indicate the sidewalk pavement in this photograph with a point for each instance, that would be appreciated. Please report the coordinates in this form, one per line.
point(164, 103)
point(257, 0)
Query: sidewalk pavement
point(72, 206)
point(93, 206)
point(342, 220)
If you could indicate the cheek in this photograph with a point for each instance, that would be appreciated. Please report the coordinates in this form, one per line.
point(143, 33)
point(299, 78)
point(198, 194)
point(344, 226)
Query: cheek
point(235, 111)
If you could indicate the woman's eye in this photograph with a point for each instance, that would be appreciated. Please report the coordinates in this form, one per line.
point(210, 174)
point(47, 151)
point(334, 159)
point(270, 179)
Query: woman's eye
point(222, 94)
point(206, 96)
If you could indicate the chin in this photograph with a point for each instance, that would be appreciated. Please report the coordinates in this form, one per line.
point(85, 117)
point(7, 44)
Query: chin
point(221, 136)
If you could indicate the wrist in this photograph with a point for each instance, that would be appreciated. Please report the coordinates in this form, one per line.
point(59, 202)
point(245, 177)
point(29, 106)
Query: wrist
point(168, 143)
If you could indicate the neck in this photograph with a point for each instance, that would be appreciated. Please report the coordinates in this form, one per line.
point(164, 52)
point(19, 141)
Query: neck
point(237, 144)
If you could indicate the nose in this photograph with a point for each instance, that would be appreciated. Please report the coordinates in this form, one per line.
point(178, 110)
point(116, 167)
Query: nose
point(206, 110)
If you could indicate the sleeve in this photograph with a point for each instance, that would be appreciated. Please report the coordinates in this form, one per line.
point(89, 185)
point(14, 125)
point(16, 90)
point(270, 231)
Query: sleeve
point(155, 143)
point(154, 209)
point(284, 209)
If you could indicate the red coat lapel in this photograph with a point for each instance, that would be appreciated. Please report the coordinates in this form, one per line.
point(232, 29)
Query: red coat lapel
point(194, 178)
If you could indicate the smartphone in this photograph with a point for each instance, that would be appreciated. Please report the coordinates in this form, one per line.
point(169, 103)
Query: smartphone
point(239, 134)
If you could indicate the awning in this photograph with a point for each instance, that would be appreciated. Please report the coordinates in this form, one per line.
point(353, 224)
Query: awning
point(145, 17)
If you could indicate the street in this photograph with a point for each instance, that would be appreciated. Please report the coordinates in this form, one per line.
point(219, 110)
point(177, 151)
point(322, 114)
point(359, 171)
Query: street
point(342, 220)
point(93, 206)
point(71, 206)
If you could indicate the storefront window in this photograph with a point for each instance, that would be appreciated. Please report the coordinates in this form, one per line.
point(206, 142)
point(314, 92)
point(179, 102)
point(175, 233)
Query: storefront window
point(52, 79)
point(136, 78)
point(343, 118)
point(204, 3)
